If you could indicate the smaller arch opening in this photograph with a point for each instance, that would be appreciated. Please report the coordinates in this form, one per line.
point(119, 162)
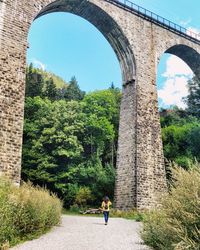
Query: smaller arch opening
point(178, 85)
point(172, 81)
point(189, 55)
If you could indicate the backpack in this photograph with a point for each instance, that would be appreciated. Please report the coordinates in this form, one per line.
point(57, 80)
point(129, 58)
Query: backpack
point(106, 206)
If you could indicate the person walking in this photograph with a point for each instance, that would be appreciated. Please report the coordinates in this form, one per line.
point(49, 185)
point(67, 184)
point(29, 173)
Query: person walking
point(106, 208)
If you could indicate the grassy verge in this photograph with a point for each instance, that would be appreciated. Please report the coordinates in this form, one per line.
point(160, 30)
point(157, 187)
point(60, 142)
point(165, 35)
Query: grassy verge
point(114, 213)
point(176, 225)
point(130, 215)
point(26, 212)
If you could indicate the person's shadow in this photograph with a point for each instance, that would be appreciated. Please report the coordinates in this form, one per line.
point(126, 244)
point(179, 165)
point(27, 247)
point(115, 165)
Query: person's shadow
point(96, 223)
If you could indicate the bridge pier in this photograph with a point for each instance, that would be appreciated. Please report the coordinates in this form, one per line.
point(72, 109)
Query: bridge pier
point(125, 183)
point(140, 162)
point(12, 77)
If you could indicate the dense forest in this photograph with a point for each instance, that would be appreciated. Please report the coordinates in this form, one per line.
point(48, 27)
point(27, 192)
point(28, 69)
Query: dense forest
point(70, 137)
point(181, 129)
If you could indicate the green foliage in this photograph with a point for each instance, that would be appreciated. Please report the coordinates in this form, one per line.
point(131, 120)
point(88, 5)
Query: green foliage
point(130, 214)
point(50, 90)
point(102, 112)
point(26, 212)
point(83, 196)
point(70, 138)
point(92, 175)
point(50, 139)
point(194, 141)
point(44, 84)
point(70, 142)
point(104, 103)
point(73, 92)
point(74, 209)
point(34, 82)
point(175, 116)
point(58, 81)
point(176, 225)
point(193, 99)
point(55, 151)
point(180, 134)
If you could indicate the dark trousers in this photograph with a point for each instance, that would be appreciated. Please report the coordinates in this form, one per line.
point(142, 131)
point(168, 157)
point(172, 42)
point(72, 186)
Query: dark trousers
point(106, 215)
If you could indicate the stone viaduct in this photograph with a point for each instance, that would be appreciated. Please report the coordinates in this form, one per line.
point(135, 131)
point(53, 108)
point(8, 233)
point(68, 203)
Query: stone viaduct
point(139, 39)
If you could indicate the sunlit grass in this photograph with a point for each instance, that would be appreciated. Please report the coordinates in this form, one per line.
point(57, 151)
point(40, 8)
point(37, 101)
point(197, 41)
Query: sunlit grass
point(176, 225)
point(26, 212)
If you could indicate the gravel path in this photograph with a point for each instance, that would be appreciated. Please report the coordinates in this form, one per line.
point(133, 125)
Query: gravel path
point(89, 233)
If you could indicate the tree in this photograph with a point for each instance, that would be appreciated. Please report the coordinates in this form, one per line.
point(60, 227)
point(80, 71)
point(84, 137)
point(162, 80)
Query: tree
point(73, 91)
point(98, 132)
point(70, 146)
point(180, 137)
point(51, 140)
point(112, 86)
point(194, 141)
point(34, 82)
point(102, 112)
point(193, 99)
point(50, 90)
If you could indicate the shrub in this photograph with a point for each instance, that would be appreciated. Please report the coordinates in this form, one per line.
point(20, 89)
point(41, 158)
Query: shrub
point(176, 225)
point(26, 212)
point(74, 209)
point(83, 196)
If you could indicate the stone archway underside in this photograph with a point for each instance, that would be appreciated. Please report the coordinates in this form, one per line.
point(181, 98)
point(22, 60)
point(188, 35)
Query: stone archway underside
point(190, 56)
point(140, 166)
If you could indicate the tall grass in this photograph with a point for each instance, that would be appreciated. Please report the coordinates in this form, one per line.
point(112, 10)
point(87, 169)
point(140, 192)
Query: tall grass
point(26, 212)
point(176, 225)
point(130, 214)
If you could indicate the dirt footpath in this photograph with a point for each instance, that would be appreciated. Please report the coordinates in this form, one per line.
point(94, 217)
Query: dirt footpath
point(89, 233)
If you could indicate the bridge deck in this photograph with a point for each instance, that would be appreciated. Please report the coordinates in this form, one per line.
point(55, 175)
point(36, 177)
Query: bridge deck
point(158, 20)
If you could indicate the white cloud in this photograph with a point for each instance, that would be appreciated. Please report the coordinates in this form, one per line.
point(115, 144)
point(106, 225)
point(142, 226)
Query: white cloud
point(38, 64)
point(175, 87)
point(176, 66)
point(193, 32)
point(173, 91)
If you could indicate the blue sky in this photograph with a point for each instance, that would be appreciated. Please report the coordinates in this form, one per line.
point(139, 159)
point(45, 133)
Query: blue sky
point(70, 46)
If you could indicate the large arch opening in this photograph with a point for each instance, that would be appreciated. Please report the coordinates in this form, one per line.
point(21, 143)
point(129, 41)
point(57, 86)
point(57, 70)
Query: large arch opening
point(68, 45)
point(106, 25)
point(178, 88)
point(48, 166)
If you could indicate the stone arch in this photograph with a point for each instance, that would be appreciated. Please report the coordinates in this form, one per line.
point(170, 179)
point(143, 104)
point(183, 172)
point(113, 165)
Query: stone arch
point(189, 55)
point(105, 24)
point(140, 168)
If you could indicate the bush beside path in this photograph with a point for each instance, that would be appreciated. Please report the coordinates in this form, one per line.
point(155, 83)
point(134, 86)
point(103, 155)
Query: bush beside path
point(25, 212)
point(89, 233)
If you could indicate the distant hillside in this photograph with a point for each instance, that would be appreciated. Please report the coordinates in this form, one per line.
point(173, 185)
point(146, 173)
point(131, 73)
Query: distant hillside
point(58, 81)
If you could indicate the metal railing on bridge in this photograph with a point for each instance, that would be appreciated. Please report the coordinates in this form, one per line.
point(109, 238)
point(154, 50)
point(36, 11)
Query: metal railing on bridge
point(152, 17)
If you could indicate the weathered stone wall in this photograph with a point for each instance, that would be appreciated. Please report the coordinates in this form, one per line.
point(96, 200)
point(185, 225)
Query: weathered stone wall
point(125, 188)
point(138, 44)
point(12, 78)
